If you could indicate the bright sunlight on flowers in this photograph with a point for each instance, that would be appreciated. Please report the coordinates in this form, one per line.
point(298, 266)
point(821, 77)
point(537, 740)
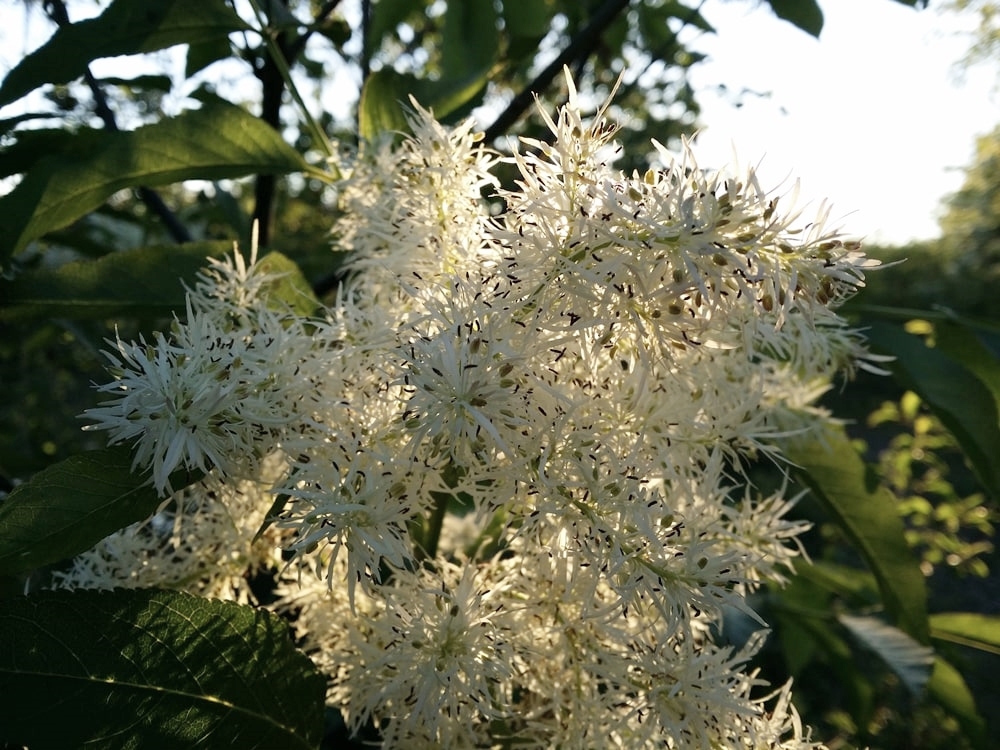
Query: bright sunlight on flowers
point(502, 480)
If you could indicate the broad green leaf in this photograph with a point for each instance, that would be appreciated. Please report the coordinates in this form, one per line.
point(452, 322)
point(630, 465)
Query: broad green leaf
point(801, 599)
point(525, 24)
point(956, 396)
point(144, 281)
point(70, 506)
point(35, 144)
point(470, 39)
point(857, 587)
point(805, 14)
point(203, 54)
point(689, 16)
point(968, 629)
point(911, 661)
point(947, 688)
point(961, 343)
point(125, 28)
point(215, 142)
point(385, 99)
point(150, 668)
point(849, 490)
point(381, 110)
point(291, 287)
point(469, 50)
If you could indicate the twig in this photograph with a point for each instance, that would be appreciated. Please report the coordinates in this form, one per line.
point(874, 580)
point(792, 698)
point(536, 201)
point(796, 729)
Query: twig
point(57, 12)
point(579, 47)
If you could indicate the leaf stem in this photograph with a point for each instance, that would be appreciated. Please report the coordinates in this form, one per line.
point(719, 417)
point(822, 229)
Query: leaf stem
point(278, 57)
point(432, 535)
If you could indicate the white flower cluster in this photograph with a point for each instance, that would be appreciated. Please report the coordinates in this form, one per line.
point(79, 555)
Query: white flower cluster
point(510, 460)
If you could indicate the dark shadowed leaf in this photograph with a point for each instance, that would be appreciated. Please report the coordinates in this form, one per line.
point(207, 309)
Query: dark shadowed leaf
point(470, 38)
point(866, 511)
point(70, 506)
point(805, 14)
point(215, 142)
point(144, 281)
point(141, 83)
point(962, 344)
point(388, 14)
point(125, 28)
point(203, 54)
point(525, 24)
point(947, 688)
point(385, 99)
point(149, 668)
point(32, 145)
point(963, 403)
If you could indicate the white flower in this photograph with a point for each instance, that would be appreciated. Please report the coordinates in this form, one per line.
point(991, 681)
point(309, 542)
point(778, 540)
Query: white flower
point(219, 392)
point(203, 540)
point(434, 662)
point(513, 445)
point(353, 499)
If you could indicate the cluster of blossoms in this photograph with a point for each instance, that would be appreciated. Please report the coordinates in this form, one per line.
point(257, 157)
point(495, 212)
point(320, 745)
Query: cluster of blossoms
point(507, 463)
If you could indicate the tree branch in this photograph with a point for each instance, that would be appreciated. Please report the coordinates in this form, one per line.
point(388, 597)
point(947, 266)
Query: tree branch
point(579, 47)
point(57, 12)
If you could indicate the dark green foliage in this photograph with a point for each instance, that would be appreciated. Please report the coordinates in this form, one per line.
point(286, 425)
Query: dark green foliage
point(70, 506)
point(215, 142)
point(148, 280)
point(147, 668)
point(125, 28)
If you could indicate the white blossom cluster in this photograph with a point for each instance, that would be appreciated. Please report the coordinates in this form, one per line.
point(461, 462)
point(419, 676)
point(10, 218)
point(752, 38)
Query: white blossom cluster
point(509, 460)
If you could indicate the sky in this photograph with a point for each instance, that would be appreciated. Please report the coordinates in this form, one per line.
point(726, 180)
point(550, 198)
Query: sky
point(873, 117)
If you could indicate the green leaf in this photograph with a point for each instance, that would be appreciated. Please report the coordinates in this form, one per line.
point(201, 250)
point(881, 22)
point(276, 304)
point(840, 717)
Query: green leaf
point(148, 668)
point(805, 14)
point(144, 281)
point(947, 688)
point(857, 587)
point(961, 343)
point(203, 54)
point(956, 396)
point(852, 683)
point(910, 660)
point(380, 109)
point(689, 16)
point(215, 142)
point(469, 49)
point(385, 99)
point(387, 15)
point(70, 506)
point(125, 28)
point(35, 144)
point(470, 39)
point(849, 490)
point(525, 24)
point(291, 289)
point(968, 629)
